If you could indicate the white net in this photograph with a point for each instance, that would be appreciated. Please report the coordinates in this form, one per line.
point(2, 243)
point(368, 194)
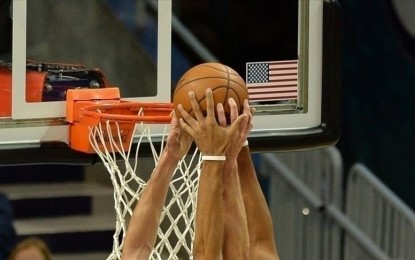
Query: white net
point(176, 230)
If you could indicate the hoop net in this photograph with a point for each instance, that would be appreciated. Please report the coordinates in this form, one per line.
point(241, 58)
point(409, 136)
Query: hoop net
point(124, 160)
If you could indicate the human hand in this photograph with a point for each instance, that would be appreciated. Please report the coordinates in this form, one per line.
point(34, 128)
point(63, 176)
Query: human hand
point(178, 141)
point(243, 131)
point(210, 137)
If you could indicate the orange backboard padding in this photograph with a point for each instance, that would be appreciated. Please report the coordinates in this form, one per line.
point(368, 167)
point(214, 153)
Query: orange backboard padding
point(35, 82)
point(34, 89)
point(5, 92)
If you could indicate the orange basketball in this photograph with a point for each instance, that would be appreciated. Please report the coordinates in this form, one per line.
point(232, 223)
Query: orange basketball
point(223, 80)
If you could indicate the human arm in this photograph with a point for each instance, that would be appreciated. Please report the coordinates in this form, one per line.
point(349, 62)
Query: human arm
point(142, 230)
point(209, 217)
point(212, 140)
point(236, 239)
point(260, 229)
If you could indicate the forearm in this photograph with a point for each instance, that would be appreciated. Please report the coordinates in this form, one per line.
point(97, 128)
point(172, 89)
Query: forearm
point(142, 229)
point(236, 241)
point(259, 219)
point(209, 217)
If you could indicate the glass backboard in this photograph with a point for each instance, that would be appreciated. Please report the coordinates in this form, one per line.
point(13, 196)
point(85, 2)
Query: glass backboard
point(288, 52)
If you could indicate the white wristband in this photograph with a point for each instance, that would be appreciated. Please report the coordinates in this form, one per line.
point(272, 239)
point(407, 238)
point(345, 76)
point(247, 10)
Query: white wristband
point(245, 143)
point(213, 158)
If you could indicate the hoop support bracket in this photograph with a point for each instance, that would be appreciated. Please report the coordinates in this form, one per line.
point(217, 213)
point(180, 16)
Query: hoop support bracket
point(76, 101)
point(110, 117)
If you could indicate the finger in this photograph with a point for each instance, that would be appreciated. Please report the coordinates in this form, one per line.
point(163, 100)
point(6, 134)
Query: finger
point(248, 127)
point(221, 114)
point(233, 109)
point(174, 123)
point(195, 106)
point(186, 128)
point(185, 115)
point(210, 104)
point(247, 109)
point(173, 118)
point(252, 110)
point(239, 123)
point(249, 112)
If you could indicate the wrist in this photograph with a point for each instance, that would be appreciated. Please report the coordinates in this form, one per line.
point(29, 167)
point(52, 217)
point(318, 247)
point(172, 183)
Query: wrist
point(244, 153)
point(171, 157)
point(221, 158)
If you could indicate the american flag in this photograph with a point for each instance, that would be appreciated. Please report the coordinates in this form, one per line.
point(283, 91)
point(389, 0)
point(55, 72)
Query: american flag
point(272, 80)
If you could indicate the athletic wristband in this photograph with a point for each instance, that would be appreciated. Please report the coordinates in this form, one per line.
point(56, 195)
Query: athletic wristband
point(213, 158)
point(245, 143)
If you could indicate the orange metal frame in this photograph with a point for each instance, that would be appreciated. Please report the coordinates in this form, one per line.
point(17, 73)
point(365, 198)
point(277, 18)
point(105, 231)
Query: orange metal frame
point(87, 108)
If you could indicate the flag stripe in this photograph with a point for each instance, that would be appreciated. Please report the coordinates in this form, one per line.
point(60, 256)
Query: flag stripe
point(271, 97)
point(274, 95)
point(283, 72)
point(272, 84)
point(282, 78)
point(281, 62)
point(282, 66)
point(279, 89)
point(274, 80)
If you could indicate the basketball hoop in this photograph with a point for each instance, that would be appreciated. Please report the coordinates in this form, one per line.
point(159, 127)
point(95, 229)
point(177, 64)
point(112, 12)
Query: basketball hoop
point(101, 123)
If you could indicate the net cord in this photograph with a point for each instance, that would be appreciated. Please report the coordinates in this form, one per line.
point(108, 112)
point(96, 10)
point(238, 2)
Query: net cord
point(184, 195)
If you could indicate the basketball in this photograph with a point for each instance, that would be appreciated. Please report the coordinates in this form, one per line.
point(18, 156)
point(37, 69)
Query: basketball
point(224, 81)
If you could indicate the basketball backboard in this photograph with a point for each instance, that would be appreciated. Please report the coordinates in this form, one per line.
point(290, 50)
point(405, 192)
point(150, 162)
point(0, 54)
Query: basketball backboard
point(288, 52)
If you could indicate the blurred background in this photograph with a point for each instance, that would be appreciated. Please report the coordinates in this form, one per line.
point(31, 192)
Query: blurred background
point(378, 117)
point(378, 89)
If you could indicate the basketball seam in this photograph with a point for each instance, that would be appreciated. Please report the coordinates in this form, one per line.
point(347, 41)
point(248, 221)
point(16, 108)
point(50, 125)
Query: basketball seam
point(236, 83)
point(226, 68)
point(227, 87)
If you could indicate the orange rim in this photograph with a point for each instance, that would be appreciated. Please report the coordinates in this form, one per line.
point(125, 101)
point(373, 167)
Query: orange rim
point(151, 112)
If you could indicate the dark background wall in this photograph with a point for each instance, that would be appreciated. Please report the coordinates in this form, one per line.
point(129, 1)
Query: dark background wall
point(378, 94)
